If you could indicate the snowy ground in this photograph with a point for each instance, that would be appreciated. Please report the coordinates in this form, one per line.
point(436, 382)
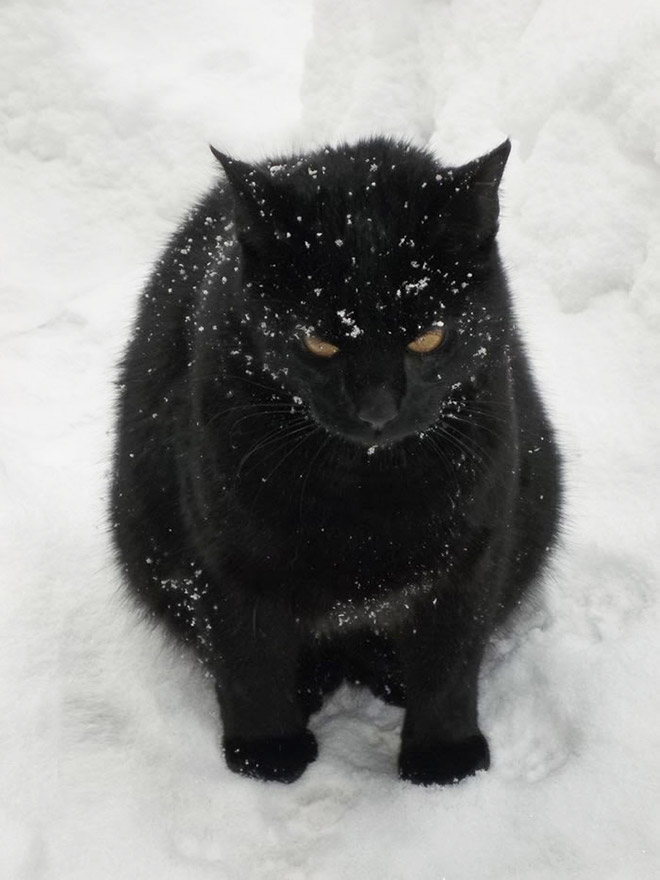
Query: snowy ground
point(109, 738)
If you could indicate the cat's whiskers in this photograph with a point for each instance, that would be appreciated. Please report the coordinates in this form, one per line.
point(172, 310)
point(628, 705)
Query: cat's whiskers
point(475, 414)
point(464, 444)
point(429, 440)
point(265, 408)
point(272, 388)
point(490, 408)
point(279, 434)
point(472, 448)
point(322, 446)
point(296, 416)
point(276, 390)
point(456, 413)
point(296, 446)
point(475, 420)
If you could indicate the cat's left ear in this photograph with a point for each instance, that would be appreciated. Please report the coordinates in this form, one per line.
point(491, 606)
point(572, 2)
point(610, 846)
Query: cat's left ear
point(476, 186)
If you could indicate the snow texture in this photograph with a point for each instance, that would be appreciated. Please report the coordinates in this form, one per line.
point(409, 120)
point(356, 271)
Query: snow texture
point(109, 736)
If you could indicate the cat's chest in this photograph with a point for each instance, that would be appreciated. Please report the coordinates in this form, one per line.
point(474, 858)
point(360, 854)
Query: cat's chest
point(376, 580)
point(375, 537)
point(366, 571)
point(360, 540)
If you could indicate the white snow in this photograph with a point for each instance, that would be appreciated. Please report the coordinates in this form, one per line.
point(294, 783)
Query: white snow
point(109, 737)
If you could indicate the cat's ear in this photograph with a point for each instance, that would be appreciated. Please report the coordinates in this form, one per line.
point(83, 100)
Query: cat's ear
point(243, 178)
point(255, 199)
point(476, 199)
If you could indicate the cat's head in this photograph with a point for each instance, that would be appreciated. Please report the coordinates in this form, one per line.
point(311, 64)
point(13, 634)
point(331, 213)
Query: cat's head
point(373, 289)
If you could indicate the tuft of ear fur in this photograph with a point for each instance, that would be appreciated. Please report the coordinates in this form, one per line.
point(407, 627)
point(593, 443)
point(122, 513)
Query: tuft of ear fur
point(476, 200)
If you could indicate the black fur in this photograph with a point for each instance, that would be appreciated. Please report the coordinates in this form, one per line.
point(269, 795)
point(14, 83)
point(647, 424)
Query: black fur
point(370, 516)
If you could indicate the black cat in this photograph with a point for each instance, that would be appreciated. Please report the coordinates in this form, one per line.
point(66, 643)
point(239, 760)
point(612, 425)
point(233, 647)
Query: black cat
point(332, 463)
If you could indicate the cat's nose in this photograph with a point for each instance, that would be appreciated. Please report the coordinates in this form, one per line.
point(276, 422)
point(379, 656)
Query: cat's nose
point(377, 408)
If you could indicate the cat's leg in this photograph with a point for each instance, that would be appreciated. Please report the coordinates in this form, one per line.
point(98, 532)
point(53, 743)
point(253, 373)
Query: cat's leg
point(256, 667)
point(441, 654)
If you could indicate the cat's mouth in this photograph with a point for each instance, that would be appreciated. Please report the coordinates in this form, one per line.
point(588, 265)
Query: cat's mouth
point(371, 438)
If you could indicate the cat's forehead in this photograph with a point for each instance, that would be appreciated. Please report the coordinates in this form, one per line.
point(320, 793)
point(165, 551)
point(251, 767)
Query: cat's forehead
point(351, 290)
point(353, 306)
point(389, 287)
point(377, 192)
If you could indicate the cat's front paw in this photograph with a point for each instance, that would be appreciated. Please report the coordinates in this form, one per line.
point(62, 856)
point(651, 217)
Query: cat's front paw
point(444, 763)
point(273, 758)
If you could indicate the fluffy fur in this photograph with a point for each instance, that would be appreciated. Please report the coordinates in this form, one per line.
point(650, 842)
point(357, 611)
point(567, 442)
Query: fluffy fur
point(371, 516)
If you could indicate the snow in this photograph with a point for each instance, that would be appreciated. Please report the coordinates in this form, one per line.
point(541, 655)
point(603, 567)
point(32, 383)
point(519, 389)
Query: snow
point(109, 736)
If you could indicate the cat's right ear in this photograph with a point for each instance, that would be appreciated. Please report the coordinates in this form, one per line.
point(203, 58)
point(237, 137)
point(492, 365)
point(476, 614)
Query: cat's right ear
point(253, 200)
point(243, 178)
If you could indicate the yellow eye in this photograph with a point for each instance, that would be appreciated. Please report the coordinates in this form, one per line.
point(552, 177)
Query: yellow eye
point(320, 347)
point(427, 341)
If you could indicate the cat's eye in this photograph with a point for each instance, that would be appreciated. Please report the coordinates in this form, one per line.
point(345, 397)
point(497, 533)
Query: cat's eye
point(320, 347)
point(427, 341)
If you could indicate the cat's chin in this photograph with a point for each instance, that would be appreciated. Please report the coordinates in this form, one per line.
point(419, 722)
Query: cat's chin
point(373, 440)
point(367, 440)
point(377, 442)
